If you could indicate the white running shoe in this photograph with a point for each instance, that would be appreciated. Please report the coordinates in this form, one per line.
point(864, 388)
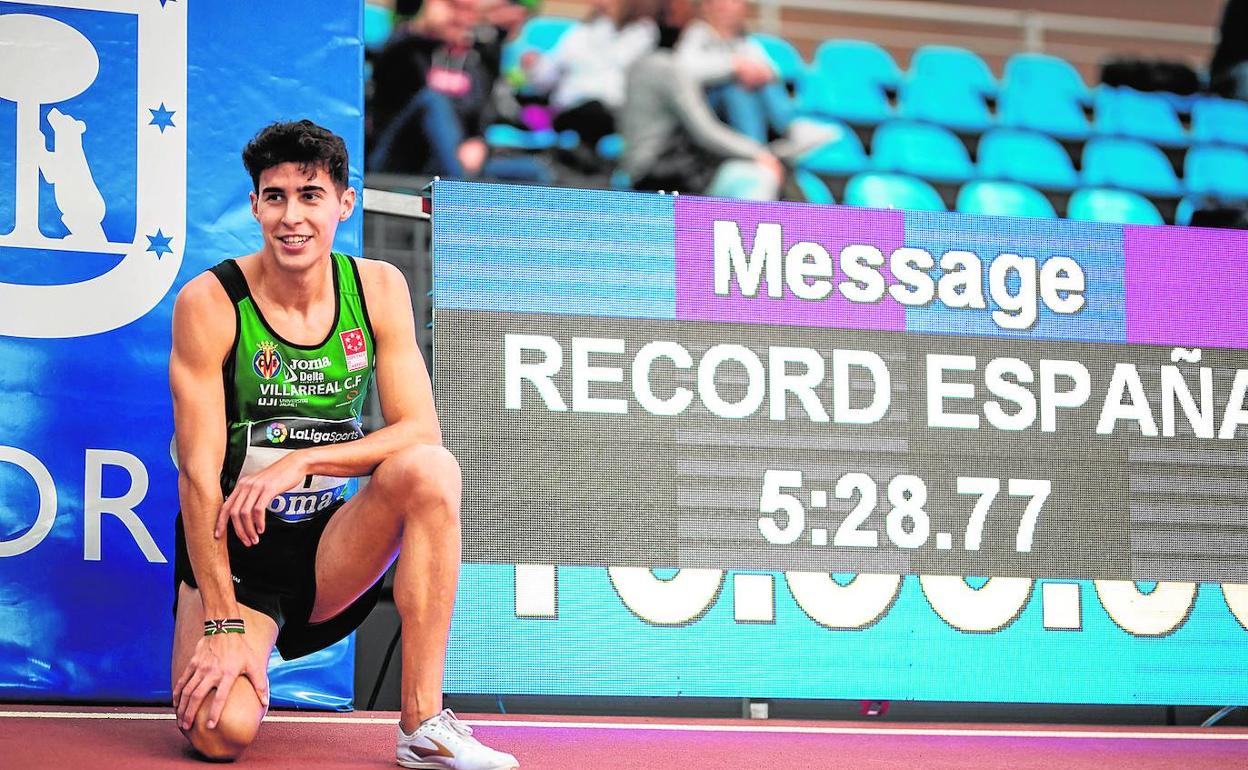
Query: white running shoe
point(442, 742)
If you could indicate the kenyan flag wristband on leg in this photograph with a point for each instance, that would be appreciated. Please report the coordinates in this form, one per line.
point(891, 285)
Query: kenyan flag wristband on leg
point(227, 626)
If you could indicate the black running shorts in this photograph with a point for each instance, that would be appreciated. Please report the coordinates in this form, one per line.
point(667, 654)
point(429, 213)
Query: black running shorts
point(277, 577)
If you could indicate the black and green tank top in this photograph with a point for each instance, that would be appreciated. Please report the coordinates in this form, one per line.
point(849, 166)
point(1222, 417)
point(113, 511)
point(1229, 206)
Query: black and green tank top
point(280, 396)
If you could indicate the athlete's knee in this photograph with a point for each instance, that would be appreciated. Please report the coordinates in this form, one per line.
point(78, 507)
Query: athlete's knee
point(233, 733)
point(424, 478)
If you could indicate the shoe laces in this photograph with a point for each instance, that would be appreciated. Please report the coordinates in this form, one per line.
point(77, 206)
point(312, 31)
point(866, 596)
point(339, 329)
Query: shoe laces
point(453, 722)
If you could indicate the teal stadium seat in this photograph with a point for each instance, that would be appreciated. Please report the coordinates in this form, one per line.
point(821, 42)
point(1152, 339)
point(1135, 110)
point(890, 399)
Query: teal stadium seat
point(840, 156)
point(945, 102)
point(846, 97)
point(1053, 112)
point(1100, 204)
point(783, 55)
point(1004, 199)
point(892, 191)
point(859, 59)
point(1042, 73)
point(1130, 164)
point(1027, 157)
point(1140, 115)
point(921, 149)
point(378, 24)
point(954, 66)
point(812, 187)
point(1220, 121)
point(1221, 172)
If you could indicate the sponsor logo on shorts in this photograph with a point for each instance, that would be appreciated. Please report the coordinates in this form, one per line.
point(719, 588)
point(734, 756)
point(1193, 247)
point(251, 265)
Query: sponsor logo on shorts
point(267, 362)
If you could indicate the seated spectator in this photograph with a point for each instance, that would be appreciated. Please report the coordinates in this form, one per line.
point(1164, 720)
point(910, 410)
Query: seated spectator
point(433, 82)
point(741, 83)
point(584, 74)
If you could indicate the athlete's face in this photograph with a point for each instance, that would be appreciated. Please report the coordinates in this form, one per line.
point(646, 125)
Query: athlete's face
point(299, 211)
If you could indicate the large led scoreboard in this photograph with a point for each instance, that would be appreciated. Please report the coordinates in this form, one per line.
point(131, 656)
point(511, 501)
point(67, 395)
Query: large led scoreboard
point(718, 448)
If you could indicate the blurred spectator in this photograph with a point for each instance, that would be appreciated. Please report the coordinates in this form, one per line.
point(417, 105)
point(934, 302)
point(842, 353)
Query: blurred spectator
point(1228, 71)
point(433, 83)
point(584, 74)
point(672, 139)
point(742, 85)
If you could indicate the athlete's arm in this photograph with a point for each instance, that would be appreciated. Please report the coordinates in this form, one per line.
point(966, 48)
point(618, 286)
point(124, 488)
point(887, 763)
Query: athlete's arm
point(406, 404)
point(203, 334)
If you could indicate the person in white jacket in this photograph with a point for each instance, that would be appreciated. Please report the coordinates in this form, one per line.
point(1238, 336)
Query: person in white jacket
point(741, 83)
point(584, 73)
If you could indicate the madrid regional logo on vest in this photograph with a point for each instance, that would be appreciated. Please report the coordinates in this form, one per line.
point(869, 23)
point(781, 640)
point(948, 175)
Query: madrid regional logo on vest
point(93, 128)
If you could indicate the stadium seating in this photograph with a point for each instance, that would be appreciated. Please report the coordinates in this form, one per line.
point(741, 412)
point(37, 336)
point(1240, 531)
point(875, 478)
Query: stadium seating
point(1129, 164)
point(1100, 204)
point(783, 55)
point(846, 98)
point(945, 102)
point(956, 67)
point(1027, 157)
point(1220, 121)
point(378, 24)
point(921, 149)
point(812, 187)
point(858, 59)
point(1038, 73)
point(1004, 199)
point(1054, 112)
point(541, 34)
point(1218, 171)
point(841, 156)
point(892, 191)
point(1131, 113)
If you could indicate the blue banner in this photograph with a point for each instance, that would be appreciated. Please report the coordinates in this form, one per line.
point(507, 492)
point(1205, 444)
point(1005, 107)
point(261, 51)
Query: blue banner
point(121, 128)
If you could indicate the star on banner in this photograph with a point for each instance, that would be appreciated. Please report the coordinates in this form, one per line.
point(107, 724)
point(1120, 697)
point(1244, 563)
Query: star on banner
point(162, 2)
point(161, 117)
point(159, 243)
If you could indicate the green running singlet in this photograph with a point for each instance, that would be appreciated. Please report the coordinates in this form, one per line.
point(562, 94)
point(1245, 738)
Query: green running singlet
point(280, 396)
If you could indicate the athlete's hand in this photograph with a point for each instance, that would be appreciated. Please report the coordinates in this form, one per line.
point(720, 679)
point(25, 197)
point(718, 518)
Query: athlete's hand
point(246, 505)
point(218, 661)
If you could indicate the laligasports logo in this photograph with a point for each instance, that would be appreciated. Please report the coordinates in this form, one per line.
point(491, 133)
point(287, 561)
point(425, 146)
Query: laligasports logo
point(276, 432)
point(105, 245)
point(267, 361)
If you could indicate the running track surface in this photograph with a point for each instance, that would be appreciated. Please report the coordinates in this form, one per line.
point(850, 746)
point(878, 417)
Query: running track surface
point(71, 737)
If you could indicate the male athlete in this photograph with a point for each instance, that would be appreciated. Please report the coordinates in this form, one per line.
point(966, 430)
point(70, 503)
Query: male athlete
point(272, 358)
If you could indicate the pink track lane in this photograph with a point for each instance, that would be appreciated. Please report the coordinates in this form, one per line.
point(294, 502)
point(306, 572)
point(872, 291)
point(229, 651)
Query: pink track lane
point(28, 740)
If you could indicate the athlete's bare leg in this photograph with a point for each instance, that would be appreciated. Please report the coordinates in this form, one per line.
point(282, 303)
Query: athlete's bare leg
point(240, 720)
point(411, 506)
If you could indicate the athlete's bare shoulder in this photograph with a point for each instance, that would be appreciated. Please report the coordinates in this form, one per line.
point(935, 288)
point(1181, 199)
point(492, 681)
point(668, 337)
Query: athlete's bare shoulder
point(203, 317)
point(379, 277)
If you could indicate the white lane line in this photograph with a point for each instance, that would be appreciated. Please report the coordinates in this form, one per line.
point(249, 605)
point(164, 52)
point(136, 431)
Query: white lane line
point(781, 729)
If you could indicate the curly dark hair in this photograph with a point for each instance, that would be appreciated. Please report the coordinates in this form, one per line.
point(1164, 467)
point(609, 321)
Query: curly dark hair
point(302, 142)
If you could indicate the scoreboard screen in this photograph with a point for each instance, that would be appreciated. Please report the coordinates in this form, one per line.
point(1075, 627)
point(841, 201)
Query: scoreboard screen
point(720, 448)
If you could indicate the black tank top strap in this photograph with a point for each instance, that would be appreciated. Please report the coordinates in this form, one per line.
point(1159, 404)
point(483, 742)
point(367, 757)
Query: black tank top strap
point(231, 277)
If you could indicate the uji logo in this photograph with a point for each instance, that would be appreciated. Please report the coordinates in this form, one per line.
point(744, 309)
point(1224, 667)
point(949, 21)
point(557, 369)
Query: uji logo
point(102, 243)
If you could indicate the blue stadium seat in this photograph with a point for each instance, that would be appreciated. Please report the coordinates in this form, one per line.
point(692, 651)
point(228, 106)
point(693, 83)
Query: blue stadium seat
point(1220, 121)
point(859, 58)
point(541, 34)
point(1130, 164)
point(945, 102)
point(1218, 171)
point(892, 191)
point(921, 149)
point(510, 137)
point(1037, 73)
point(841, 156)
point(1127, 112)
point(1053, 112)
point(813, 187)
point(1004, 199)
point(1101, 204)
point(783, 55)
point(1027, 157)
point(954, 66)
point(845, 97)
point(378, 23)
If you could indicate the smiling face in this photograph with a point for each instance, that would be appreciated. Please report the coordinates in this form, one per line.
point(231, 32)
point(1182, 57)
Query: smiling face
point(299, 211)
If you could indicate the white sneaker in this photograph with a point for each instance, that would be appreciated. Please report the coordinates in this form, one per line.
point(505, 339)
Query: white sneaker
point(442, 742)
